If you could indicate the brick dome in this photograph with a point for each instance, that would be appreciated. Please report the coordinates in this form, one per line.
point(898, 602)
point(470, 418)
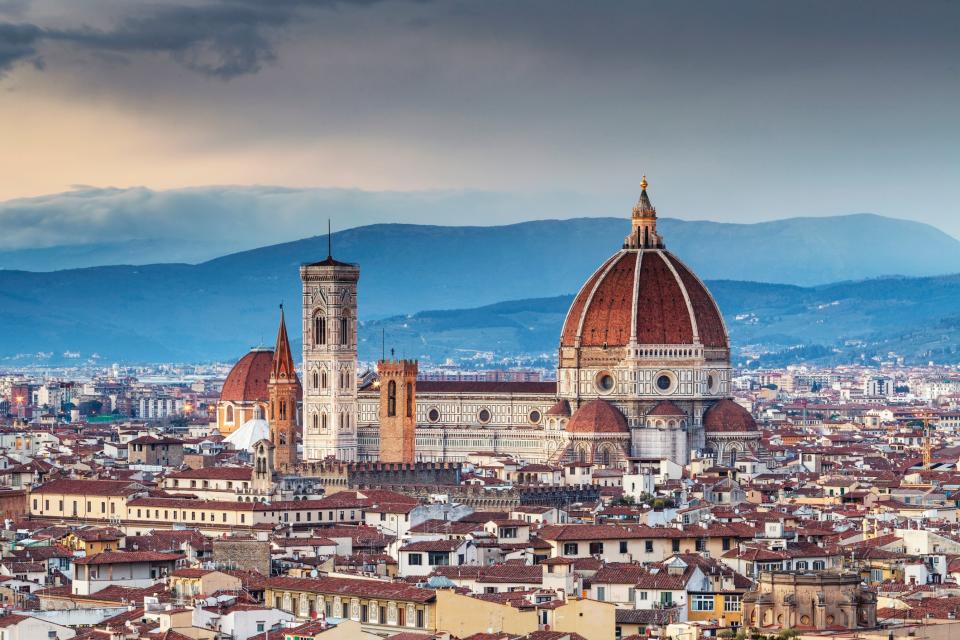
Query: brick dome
point(597, 416)
point(666, 409)
point(248, 379)
point(560, 408)
point(646, 294)
point(726, 416)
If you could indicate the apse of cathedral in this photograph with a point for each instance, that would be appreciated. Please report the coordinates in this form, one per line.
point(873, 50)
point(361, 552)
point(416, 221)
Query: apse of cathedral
point(643, 375)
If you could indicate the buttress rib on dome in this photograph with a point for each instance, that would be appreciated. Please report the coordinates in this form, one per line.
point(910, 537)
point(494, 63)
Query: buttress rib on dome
point(662, 304)
point(728, 416)
point(597, 416)
point(248, 379)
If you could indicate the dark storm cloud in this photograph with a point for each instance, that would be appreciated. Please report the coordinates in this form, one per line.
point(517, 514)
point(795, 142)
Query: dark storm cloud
point(223, 39)
point(18, 42)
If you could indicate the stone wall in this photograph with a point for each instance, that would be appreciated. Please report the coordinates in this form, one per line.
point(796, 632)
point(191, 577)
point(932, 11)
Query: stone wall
point(242, 553)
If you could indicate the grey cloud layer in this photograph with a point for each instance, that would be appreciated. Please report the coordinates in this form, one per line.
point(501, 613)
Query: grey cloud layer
point(222, 39)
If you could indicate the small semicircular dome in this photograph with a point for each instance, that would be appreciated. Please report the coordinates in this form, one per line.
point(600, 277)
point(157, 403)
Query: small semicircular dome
point(597, 416)
point(726, 416)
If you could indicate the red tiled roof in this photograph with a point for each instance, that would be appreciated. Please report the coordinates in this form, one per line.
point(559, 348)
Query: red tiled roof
point(498, 573)
point(433, 545)
point(614, 297)
point(560, 408)
point(728, 416)
point(120, 557)
point(90, 487)
point(666, 408)
point(247, 380)
point(597, 416)
point(353, 587)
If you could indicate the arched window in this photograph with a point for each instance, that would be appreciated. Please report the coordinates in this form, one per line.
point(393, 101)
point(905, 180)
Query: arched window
point(323, 421)
point(228, 413)
point(409, 400)
point(316, 380)
point(283, 410)
point(323, 380)
point(319, 330)
point(344, 328)
point(392, 398)
point(581, 455)
point(605, 457)
point(316, 422)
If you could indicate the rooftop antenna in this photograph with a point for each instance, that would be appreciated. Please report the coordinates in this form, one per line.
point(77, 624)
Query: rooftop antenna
point(383, 343)
point(329, 240)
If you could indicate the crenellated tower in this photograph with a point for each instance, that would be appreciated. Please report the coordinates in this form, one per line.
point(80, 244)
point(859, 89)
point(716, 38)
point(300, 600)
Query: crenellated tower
point(330, 359)
point(284, 392)
point(398, 410)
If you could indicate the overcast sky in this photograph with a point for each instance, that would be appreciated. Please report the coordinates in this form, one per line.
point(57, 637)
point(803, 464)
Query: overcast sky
point(737, 111)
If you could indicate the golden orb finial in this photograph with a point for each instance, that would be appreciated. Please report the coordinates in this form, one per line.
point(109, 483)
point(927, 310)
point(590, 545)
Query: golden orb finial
point(643, 183)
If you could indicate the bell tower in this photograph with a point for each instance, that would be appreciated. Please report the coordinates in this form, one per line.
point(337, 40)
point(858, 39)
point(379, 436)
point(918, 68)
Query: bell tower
point(284, 392)
point(330, 359)
point(398, 410)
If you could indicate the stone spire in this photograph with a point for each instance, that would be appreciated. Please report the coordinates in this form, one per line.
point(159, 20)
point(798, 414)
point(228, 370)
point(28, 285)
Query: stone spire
point(643, 231)
point(283, 367)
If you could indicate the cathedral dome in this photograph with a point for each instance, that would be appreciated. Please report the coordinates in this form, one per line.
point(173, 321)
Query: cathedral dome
point(248, 379)
point(726, 416)
point(643, 295)
point(597, 416)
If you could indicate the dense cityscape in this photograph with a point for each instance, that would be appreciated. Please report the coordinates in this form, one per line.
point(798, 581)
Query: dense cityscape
point(642, 489)
point(479, 320)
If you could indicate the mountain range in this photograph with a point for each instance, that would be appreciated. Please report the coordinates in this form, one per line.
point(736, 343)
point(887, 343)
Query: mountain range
point(219, 308)
point(769, 325)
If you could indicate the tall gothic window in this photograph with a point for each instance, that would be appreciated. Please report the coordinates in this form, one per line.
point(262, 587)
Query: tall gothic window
point(316, 380)
point(323, 421)
point(228, 414)
point(319, 330)
point(344, 326)
point(323, 380)
point(409, 400)
point(392, 398)
point(283, 410)
point(316, 422)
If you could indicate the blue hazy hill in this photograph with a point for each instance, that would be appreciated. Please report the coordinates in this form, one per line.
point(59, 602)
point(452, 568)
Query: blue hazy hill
point(217, 309)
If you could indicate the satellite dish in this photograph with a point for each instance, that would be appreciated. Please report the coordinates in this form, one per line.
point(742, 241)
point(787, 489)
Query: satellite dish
point(313, 573)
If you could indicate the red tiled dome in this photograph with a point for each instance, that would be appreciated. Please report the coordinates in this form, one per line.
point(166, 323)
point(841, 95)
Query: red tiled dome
point(561, 408)
point(597, 416)
point(666, 408)
point(663, 304)
point(728, 416)
point(248, 379)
